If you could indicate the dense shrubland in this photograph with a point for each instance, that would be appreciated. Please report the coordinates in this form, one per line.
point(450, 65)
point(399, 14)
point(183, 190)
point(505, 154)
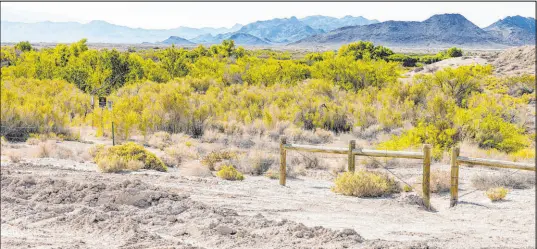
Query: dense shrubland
point(231, 90)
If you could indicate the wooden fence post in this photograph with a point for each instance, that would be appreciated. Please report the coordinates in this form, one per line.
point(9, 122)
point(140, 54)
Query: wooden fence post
point(454, 176)
point(352, 146)
point(426, 175)
point(283, 157)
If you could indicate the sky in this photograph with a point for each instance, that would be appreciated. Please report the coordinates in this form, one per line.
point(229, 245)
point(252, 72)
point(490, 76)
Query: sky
point(167, 15)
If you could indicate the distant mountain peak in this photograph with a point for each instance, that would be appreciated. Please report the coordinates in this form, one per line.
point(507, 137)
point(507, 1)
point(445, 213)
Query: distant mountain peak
point(328, 23)
point(177, 41)
point(448, 18)
point(516, 30)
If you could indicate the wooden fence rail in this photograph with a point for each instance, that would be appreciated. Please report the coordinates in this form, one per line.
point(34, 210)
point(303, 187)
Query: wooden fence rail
point(352, 152)
point(457, 160)
point(425, 155)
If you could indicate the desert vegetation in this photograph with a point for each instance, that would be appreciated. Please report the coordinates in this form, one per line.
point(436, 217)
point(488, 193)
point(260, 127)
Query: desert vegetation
point(223, 89)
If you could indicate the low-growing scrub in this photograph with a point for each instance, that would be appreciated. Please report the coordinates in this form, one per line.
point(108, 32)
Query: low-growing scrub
point(272, 174)
point(117, 158)
point(440, 181)
point(256, 162)
point(159, 140)
point(14, 156)
point(365, 184)
point(228, 172)
point(179, 153)
point(46, 149)
point(497, 194)
point(214, 157)
point(519, 180)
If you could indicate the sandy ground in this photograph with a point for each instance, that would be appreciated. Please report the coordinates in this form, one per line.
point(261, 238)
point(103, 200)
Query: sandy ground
point(61, 203)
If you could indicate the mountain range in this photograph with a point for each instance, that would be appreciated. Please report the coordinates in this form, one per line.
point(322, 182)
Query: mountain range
point(97, 32)
point(441, 30)
point(437, 31)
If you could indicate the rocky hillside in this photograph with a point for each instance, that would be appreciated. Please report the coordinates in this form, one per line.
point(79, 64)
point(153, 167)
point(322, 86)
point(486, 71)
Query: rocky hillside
point(177, 41)
point(328, 23)
point(280, 30)
point(514, 30)
point(437, 31)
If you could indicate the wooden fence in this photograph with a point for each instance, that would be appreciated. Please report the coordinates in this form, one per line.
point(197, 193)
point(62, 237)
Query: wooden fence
point(425, 155)
point(352, 152)
point(457, 160)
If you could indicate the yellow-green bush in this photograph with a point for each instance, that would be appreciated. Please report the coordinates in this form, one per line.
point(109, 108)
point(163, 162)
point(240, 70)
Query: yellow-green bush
point(40, 106)
point(228, 172)
point(365, 184)
point(228, 88)
point(116, 158)
point(213, 157)
point(497, 194)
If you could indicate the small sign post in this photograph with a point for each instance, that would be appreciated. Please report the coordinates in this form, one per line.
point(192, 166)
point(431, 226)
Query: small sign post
point(102, 102)
point(110, 109)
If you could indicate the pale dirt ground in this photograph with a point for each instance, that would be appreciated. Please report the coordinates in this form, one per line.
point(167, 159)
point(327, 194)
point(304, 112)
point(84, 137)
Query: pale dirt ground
point(61, 203)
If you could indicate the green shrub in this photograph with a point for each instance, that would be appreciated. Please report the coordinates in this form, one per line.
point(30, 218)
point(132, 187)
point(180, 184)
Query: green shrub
point(454, 52)
point(365, 184)
point(24, 46)
point(228, 172)
point(497, 194)
point(408, 61)
point(117, 158)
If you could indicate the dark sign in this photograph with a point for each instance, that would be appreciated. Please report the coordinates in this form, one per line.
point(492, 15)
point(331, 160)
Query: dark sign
point(102, 102)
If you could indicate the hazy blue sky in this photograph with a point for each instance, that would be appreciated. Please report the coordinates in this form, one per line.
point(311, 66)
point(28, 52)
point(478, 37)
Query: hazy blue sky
point(171, 15)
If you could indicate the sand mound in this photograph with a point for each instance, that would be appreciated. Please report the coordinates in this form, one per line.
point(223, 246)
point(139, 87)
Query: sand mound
point(516, 61)
point(135, 214)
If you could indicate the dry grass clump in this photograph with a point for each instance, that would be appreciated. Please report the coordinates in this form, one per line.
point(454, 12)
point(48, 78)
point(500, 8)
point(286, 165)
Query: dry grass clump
point(440, 181)
point(33, 141)
point(257, 128)
point(212, 136)
point(159, 140)
point(278, 130)
point(46, 149)
point(318, 137)
point(62, 152)
point(195, 168)
point(365, 184)
point(519, 180)
point(96, 149)
point(374, 163)
point(497, 194)
point(228, 172)
point(214, 157)
point(51, 149)
point(117, 158)
point(256, 162)
point(230, 128)
point(243, 142)
point(272, 174)
point(179, 153)
point(14, 156)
